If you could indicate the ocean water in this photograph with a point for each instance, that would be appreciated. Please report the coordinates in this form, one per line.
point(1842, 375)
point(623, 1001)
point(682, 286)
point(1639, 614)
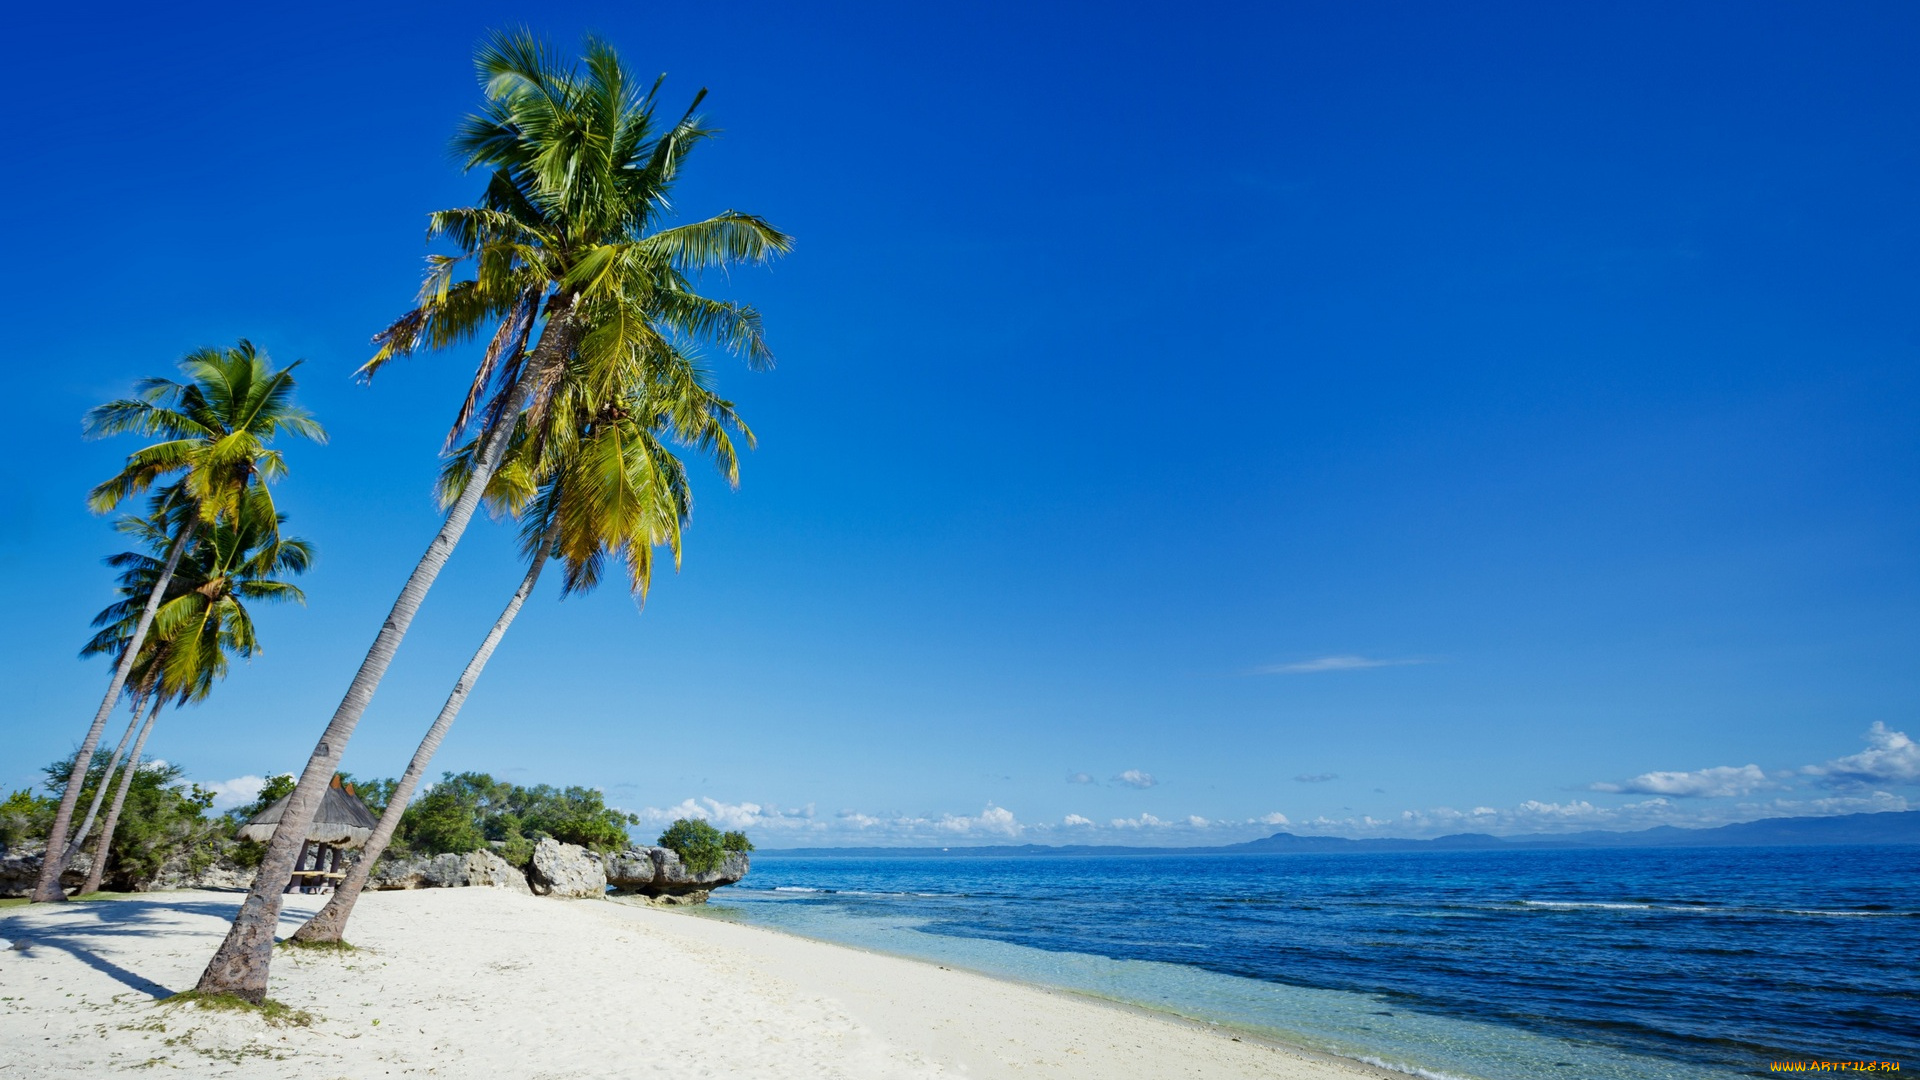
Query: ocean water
point(1503, 965)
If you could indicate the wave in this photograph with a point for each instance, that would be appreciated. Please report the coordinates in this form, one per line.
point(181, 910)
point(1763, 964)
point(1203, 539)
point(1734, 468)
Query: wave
point(1408, 1070)
point(1697, 909)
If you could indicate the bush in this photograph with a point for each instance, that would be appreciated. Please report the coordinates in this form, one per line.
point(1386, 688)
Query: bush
point(24, 816)
point(699, 845)
point(469, 811)
point(162, 818)
point(736, 841)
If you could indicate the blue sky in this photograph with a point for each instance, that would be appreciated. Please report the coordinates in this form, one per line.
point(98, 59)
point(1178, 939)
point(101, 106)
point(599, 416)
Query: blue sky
point(1190, 421)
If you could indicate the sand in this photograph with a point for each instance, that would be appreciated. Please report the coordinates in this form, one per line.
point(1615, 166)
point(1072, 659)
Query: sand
point(483, 982)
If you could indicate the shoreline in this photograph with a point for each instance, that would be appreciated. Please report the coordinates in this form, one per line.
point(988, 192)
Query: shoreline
point(481, 981)
point(1211, 1028)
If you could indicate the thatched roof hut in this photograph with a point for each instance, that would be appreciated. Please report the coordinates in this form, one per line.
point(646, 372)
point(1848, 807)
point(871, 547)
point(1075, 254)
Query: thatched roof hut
point(342, 821)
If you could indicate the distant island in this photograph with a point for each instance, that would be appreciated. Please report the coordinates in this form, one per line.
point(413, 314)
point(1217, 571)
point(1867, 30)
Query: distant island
point(1891, 827)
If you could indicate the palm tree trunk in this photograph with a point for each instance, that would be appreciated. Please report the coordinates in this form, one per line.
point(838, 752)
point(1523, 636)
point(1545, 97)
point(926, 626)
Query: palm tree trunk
point(119, 800)
point(48, 887)
point(240, 965)
point(106, 778)
point(331, 921)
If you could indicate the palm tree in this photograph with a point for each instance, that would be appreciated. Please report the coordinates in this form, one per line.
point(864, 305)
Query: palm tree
point(203, 622)
point(215, 428)
point(612, 487)
point(566, 235)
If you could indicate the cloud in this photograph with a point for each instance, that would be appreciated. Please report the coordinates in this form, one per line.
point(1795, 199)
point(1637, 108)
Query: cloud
point(1535, 816)
point(1317, 778)
point(1275, 818)
point(238, 791)
point(1335, 663)
point(741, 815)
point(1890, 758)
point(1076, 819)
point(1718, 782)
point(1197, 821)
point(1081, 778)
point(1144, 821)
point(1134, 778)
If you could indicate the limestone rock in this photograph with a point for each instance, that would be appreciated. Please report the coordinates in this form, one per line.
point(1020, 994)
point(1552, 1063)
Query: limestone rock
point(222, 875)
point(566, 870)
point(20, 868)
point(449, 871)
point(486, 869)
point(658, 872)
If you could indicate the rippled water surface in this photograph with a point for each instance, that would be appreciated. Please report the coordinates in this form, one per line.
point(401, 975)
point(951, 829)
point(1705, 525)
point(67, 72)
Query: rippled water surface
point(1498, 965)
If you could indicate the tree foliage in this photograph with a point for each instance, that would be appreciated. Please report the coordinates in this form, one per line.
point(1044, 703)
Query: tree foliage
point(700, 846)
point(24, 816)
point(471, 811)
point(162, 819)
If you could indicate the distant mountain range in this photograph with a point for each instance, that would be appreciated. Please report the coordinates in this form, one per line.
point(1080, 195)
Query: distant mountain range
point(1894, 827)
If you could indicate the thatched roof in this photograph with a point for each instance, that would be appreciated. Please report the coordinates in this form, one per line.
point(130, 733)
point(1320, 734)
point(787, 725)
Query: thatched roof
point(342, 820)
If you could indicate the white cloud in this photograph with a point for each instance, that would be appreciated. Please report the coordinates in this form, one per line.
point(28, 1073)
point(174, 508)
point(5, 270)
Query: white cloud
point(1275, 818)
point(1197, 821)
point(1335, 663)
point(1890, 758)
point(725, 815)
point(1144, 821)
point(1134, 778)
point(1076, 819)
point(1718, 782)
point(1081, 778)
point(238, 791)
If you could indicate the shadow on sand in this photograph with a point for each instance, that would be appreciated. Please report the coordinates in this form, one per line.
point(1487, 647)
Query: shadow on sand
point(75, 926)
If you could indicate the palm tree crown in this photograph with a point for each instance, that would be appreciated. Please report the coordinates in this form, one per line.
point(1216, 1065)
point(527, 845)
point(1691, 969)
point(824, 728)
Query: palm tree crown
point(203, 618)
point(214, 428)
point(581, 173)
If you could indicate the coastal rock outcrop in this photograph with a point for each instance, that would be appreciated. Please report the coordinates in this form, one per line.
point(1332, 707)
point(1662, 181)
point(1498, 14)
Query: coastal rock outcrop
point(566, 870)
point(658, 873)
point(476, 868)
point(20, 868)
point(181, 872)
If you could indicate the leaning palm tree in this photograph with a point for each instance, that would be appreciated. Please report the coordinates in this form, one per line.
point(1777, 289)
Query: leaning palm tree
point(215, 428)
point(612, 488)
point(568, 237)
point(203, 623)
point(119, 619)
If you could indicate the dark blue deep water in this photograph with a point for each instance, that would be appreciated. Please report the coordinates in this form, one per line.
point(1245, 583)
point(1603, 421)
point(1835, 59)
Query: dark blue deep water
point(1498, 965)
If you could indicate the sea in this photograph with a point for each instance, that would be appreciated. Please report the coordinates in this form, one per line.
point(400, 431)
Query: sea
point(1618, 964)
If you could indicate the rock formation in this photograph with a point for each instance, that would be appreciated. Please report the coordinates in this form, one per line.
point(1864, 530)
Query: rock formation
point(566, 870)
point(658, 873)
point(475, 868)
point(20, 868)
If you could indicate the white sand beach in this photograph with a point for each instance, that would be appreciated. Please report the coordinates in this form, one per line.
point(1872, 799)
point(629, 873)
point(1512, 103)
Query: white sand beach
point(482, 982)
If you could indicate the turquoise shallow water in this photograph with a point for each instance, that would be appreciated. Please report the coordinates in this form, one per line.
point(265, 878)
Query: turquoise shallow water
point(1616, 965)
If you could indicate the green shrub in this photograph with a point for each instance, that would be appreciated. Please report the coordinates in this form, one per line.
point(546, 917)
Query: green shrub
point(699, 845)
point(162, 819)
point(468, 811)
point(736, 841)
point(24, 816)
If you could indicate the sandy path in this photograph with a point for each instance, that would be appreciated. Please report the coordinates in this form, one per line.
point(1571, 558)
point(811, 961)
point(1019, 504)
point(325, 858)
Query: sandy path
point(483, 982)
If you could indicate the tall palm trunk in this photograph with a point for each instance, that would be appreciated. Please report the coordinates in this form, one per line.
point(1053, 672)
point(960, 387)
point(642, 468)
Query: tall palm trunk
point(48, 887)
point(240, 965)
point(99, 868)
point(106, 778)
point(331, 921)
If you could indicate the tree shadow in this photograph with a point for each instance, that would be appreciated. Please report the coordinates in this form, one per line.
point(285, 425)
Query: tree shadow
point(70, 927)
